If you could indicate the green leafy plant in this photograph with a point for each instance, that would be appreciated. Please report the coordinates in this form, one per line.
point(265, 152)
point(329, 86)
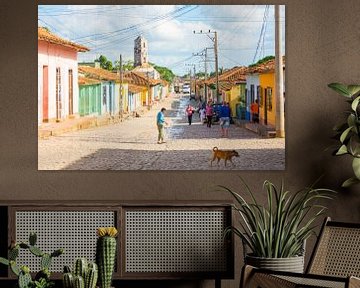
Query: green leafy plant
point(42, 278)
point(279, 229)
point(349, 132)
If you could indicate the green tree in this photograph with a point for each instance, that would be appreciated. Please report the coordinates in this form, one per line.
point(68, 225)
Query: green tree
point(263, 60)
point(127, 65)
point(105, 63)
point(165, 73)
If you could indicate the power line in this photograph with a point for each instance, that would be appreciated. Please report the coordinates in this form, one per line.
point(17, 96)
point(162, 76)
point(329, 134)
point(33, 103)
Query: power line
point(262, 32)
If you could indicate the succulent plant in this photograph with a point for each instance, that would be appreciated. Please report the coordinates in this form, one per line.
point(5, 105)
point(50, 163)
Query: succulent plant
point(42, 278)
point(85, 275)
point(106, 254)
point(348, 132)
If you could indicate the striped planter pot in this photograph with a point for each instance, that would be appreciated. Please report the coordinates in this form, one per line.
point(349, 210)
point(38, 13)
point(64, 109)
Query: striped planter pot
point(291, 264)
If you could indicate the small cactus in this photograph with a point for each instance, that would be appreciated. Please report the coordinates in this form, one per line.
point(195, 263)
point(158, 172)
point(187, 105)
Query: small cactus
point(45, 261)
point(91, 276)
point(83, 274)
point(80, 268)
point(68, 280)
point(23, 273)
point(36, 251)
point(24, 278)
point(106, 254)
point(32, 239)
point(79, 282)
point(13, 253)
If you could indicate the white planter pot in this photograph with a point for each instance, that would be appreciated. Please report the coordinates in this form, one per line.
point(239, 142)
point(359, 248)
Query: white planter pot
point(291, 264)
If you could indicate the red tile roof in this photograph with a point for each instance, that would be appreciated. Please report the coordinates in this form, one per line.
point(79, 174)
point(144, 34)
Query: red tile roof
point(267, 67)
point(135, 88)
point(45, 35)
point(233, 75)
point(87, 81)
point(98, 73)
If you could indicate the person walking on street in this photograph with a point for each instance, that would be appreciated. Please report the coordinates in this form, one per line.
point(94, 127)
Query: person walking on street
point(254, 108)
point(209, 114)
point(160, 121)
point(225, 119)
point(189, 112)
point(202, 115)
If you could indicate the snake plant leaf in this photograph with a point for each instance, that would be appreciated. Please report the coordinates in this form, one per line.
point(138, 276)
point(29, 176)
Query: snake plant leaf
point(342, 150)
point(349, 182)
point(356, 167)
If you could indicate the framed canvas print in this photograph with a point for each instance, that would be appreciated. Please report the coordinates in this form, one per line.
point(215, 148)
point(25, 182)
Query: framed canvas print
point(161, 87)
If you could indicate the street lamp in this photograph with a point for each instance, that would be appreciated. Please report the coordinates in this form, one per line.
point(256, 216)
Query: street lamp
point(215, 41)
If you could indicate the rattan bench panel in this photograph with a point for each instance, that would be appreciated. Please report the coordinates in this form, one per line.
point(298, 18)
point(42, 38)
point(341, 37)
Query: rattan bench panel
point(74, 231)
point(313, 282)
point(339, 253)
point(175, 241)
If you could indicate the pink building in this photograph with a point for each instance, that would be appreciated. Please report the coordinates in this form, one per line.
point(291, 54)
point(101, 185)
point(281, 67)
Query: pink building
point(58, 91)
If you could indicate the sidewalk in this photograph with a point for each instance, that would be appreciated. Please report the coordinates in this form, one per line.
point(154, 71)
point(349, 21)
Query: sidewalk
point(260, 129)
point(47, 130)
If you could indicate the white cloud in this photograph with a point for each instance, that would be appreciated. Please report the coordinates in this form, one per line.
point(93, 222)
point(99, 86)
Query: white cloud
point(111, 30)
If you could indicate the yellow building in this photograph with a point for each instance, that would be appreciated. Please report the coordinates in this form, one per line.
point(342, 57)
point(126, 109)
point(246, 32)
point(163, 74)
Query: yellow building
point(267, 103)
point(267, 92)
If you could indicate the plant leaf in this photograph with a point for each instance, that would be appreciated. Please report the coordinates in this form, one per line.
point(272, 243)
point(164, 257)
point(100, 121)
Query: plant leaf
point(351, 120)
point(342, 150)
point(353, 89)
point(356, 167)
point(345, 134)
point(355, 103)
point(340, 88)
point(349, 182)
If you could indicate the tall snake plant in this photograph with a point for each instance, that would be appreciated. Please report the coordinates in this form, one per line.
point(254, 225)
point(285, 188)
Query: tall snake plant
point(279, 229)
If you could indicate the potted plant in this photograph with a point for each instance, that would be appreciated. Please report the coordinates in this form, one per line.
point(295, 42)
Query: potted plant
point(275, 234)
point(42, 278)
point(348, 132)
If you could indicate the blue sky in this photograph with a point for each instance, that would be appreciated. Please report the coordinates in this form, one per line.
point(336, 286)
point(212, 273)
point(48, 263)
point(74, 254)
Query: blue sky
point(110, 30)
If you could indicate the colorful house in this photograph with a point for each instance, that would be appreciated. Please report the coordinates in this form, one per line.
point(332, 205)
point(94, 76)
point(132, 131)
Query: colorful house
point(232, 88)
point(89, 96)
point(109, 89)
point(264, 76)
point(253, 91)
point(57, 77)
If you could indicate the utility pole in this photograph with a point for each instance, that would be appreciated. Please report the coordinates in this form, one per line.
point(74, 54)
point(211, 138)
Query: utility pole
point(148, 87)
point(194, 81)
point(205, 78)
point(279, 77)
point(192, 65)
point(216, 66)
point(121, 102)
point(215, 41)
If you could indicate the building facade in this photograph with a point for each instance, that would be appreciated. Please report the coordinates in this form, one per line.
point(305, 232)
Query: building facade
point(57, 77)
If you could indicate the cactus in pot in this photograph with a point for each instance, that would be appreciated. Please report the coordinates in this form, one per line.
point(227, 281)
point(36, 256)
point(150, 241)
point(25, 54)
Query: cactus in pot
point(106, 254)
point(42, 278)
point(85, 275)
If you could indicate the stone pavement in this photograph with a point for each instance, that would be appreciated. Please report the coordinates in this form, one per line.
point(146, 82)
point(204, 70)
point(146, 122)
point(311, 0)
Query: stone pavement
point(132, 145)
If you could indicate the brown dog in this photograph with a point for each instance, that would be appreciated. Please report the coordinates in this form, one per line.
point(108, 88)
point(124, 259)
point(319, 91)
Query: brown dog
point(223, 154)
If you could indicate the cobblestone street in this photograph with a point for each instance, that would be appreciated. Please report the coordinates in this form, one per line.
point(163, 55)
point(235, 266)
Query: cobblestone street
point(132, 145)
